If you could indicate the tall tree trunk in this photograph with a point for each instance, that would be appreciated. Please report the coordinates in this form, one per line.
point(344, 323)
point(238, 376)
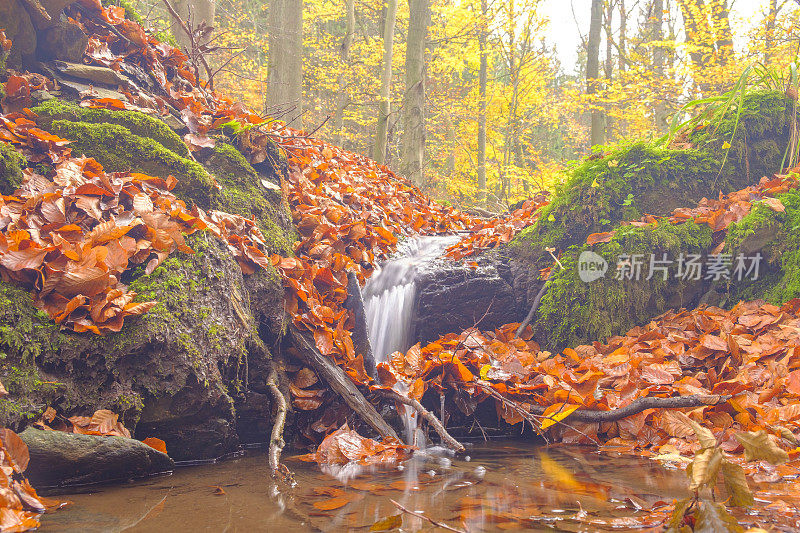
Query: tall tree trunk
point(655, 33)
point(384, 104)
point(769, 29)
point(593, 68)
point(482, 83)
point(414, 102)
point(623, 36)
point(285, 64)
point(194, 12)
point(343, 99)
point(723, 36)
point(609, 63)
point(697, 34)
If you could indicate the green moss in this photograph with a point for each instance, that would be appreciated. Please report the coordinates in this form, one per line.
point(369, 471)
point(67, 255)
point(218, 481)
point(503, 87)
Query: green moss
point(574, 312)
point(119, 150)
point(244, 193)
point(11, 164)
point(776, 236)
point(25, 334)
point(137, 123)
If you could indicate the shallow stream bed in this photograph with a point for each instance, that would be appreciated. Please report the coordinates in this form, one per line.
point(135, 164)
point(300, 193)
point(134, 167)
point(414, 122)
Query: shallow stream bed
point(499, 486)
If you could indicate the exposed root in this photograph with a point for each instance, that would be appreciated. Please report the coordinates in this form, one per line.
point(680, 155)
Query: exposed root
point(428, 416)
point(532, 312)
point(276, 442)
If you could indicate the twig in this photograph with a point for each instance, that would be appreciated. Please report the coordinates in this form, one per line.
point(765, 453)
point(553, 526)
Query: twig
point(648, 402)
point(532, 312)
point(195, 51)
point(431, 520)
point(276, 442)
point(428, 416)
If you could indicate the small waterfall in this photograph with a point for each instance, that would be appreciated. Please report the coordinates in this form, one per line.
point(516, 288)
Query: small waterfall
point(389, 297)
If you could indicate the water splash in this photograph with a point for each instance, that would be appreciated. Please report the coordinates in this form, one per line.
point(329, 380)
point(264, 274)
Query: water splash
point(389, 298)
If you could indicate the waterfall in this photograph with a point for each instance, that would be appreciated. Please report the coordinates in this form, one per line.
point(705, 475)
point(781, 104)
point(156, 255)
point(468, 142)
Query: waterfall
point(389, 298)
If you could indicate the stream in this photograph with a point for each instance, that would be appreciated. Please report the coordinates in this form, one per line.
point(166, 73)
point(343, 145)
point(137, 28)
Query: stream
point(497, 486)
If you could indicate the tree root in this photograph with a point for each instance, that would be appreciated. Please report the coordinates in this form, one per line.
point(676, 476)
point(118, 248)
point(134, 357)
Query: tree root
point(532, 312)
point(428, 416)
point(640, 404)
point(276, 442)
point(340, 382)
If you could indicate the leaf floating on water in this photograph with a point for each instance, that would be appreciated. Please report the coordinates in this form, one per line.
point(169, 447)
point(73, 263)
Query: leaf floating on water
point(388, 523)
point(759, 445)
point(736, 484)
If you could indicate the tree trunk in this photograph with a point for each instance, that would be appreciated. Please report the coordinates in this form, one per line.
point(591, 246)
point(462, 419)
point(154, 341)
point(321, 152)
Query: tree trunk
point(723, 36)
point(696, 26)
point(343, 99)
point(285, 65)
point(656, 33)
point(609, 64)
point(623, 36)
point(593, 69)
point(193, 12)
point(384, 104)
point(414, 101)
point(769, 29)
point(483, 78)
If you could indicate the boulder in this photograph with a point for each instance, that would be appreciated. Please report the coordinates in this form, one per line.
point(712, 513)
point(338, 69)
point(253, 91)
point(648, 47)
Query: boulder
point(59, 458)
point(64, 41)
point(18, 27)
point(452, 296)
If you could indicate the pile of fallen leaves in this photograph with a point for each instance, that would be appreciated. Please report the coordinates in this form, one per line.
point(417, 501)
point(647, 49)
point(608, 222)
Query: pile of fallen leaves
point(486, 234)
point(719, 214)
point(69, 236)
point(749, 355)
point(345, 446)
point(20, 506)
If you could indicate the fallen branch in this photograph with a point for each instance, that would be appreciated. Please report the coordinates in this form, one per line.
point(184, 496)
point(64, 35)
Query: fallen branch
point(534, 307)
point(640, 404)
point(276, 442)
point(431, 520)
point(340, 382)
point(434, 422)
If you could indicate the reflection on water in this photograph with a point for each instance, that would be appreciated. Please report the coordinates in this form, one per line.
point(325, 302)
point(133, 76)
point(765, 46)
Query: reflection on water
point(499, 486)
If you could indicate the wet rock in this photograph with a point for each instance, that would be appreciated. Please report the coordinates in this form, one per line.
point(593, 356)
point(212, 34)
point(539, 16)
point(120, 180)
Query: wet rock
point(453, 296)
point(46, 13)
point(59, 458)
point(91, 73)
point(64, 41)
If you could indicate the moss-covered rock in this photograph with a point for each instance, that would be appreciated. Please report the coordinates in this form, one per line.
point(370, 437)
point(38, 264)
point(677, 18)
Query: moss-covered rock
point(173, 372)
point(11, 163)
point(574, 311)
point(138, 123)
point(129, 140)
point(624, 183)
point(776, 236)
point(633, 179)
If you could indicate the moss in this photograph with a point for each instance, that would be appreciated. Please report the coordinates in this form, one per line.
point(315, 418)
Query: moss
point(119, 150)
point(776, 236)
point(137, 123)
point(11, 164)
point(573, 311)
point(244, 193)
point(25, 335)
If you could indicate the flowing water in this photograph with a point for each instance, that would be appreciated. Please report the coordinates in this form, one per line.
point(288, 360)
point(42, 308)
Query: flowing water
point(499, 486)
point(390, 292)
point(389, 298)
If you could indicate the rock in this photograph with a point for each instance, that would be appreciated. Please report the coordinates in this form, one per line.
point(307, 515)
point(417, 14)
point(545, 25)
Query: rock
point(59, 458)
point(46, 13)
point(17, 24)
point(64, 41)
point(72, 89)
point(91, 73)
point(452, 297)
